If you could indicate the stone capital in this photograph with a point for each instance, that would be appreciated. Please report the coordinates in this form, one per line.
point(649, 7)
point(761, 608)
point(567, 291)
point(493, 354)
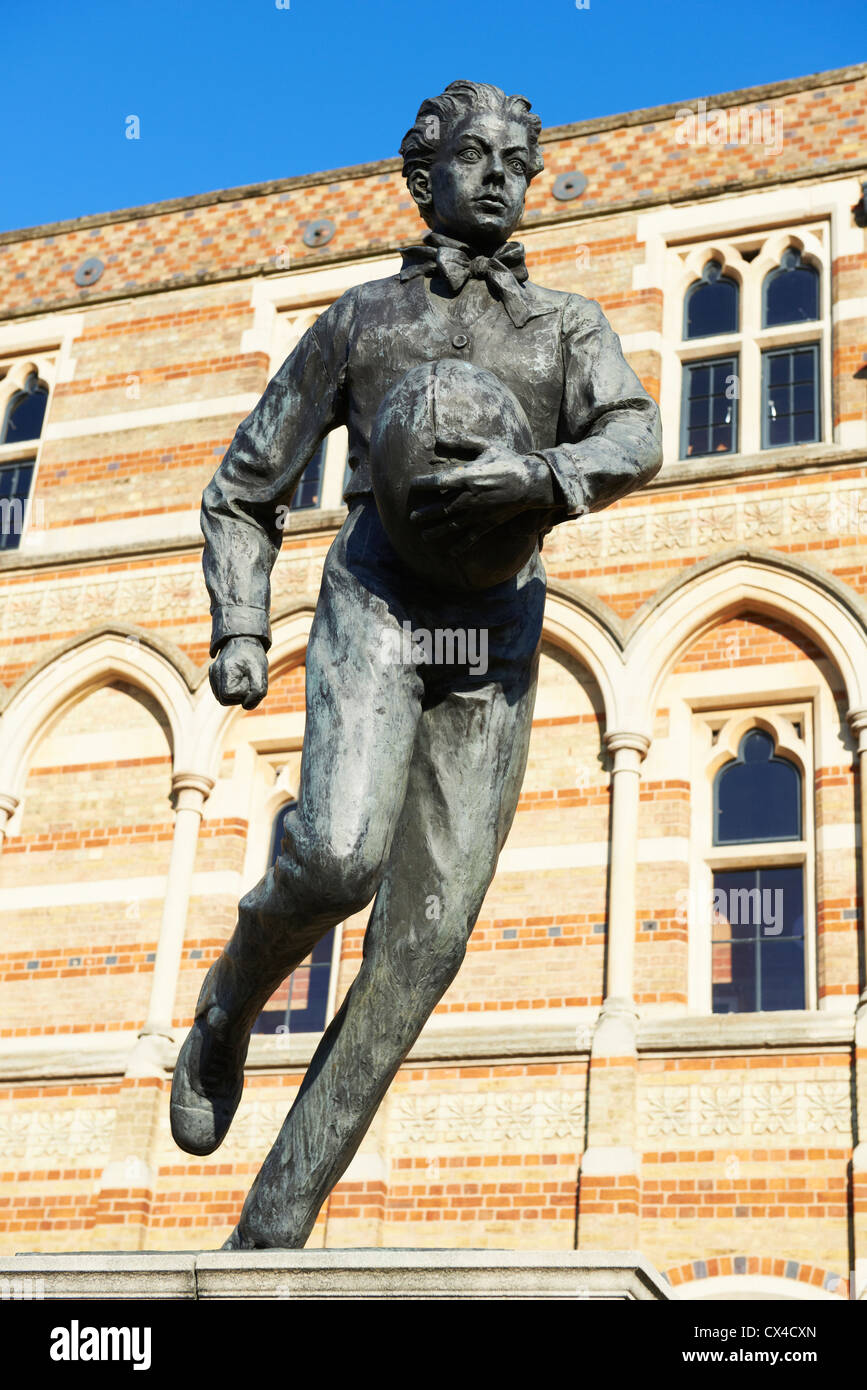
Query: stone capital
point(8, 805)
point(857, 720)
point(192, 782)
point(619, 739)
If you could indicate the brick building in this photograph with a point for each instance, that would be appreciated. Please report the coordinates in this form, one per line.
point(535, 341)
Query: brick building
point(654, 1040)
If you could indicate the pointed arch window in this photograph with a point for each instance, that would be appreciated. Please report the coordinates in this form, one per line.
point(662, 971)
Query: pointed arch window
point(752, 365)
point(757, 797)
point(712, 304)
point(790, 292)
point(25, 412)
point(758, 938)
point(301, 1003)
point(791, 394)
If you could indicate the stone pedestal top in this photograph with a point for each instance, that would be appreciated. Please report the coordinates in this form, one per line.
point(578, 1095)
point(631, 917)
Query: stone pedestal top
point(341, 1274)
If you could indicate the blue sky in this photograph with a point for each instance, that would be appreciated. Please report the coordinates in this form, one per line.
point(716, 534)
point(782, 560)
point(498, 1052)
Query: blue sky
point(231, 92)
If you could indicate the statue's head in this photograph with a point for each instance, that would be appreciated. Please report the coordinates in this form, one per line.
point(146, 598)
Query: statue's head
point(469, 159)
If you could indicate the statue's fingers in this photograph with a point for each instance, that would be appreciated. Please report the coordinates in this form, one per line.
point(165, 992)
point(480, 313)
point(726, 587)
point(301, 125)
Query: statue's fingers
point(425, 516)
point(460, 444)
point(214, 679)
point(450, 476)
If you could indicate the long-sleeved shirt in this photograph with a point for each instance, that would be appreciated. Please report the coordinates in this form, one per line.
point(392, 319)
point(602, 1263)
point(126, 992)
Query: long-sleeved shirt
point(592, 421)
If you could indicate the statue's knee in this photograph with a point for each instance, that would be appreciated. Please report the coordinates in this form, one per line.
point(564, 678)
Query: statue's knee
point(345, 874)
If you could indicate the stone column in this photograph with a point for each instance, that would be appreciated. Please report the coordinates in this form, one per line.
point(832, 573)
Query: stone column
point(628, 751)
point(191, 790)
point(8, 806)
point(127, 1187)
point(608, 1188)
point(858, 722)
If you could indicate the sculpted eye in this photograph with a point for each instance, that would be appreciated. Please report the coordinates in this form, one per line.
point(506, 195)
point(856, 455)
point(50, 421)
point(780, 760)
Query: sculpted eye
point(519, 166)
point(470, 154)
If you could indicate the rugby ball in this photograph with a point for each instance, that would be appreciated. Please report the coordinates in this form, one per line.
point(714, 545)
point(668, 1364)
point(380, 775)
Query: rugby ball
point(419, 425)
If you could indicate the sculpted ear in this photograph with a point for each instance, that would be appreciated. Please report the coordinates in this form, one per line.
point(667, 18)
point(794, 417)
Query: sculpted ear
point(418, 184)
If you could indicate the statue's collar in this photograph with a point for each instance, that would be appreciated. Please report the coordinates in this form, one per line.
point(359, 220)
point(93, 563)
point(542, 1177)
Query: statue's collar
point(505, 267)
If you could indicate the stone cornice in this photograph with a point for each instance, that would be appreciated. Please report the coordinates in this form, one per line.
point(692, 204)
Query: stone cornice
point(553, 1033)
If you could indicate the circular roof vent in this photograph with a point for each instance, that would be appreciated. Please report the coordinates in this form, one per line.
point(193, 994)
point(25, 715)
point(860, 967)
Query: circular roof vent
point(569, 186)
point(319, 233)
point(89, 272)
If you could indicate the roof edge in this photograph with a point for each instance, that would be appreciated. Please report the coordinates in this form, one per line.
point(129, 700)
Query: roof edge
point(550, 135)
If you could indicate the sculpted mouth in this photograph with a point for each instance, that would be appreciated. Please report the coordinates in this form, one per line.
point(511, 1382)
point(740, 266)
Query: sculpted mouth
point(487, 201)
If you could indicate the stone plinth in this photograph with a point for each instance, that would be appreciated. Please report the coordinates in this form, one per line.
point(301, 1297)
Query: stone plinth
point(342, 1274)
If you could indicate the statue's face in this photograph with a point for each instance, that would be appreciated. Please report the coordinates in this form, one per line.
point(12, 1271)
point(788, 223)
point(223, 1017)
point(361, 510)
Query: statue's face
point(478, 181)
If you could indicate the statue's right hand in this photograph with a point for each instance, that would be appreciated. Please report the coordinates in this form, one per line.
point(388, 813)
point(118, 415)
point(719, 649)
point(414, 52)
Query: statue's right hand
point(239, 674)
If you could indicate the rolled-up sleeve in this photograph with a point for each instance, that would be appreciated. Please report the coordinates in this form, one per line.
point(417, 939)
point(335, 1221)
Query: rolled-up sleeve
point(246, 501)
point(609, 432)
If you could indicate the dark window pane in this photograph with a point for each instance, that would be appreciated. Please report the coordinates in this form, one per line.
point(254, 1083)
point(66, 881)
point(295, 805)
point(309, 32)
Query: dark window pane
point(709, 412)
point(309, 996)
point(737, 994)
point(25, 413)
point(782, 902)
point(309, 490)
point(700, 377)
point(790, 395)
point(778, 370)
point(791, 292)
point(783, 985)
point(278, 831)
point(15, 480)
point(757, 947)
point(711, 304)
point(804, 428)
point(758, 796)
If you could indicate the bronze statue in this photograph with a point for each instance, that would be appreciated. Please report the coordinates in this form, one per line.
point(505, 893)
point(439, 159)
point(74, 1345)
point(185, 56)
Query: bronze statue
point(411, 771)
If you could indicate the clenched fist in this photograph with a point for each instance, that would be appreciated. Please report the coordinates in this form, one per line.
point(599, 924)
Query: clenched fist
point(239, 675)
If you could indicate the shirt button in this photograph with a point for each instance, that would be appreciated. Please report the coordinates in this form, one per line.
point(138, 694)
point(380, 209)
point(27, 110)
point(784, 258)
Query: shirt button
point(460, 340)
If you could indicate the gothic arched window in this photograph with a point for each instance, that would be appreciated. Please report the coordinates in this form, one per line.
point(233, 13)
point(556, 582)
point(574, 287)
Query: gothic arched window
point(758, 941)
point(300, 1005)
point(790, 292)
point(711, 304)
point(25, 412)
point(709, 413)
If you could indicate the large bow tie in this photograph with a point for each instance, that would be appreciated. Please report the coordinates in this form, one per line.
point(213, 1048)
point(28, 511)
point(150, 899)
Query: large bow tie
point(504, 272)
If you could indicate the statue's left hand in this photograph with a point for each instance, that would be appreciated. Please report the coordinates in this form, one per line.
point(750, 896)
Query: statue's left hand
point(478, 495)
point(239, 675)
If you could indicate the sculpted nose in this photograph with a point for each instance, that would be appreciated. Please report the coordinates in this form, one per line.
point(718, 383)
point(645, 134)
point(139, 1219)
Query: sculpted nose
point(495, 172)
